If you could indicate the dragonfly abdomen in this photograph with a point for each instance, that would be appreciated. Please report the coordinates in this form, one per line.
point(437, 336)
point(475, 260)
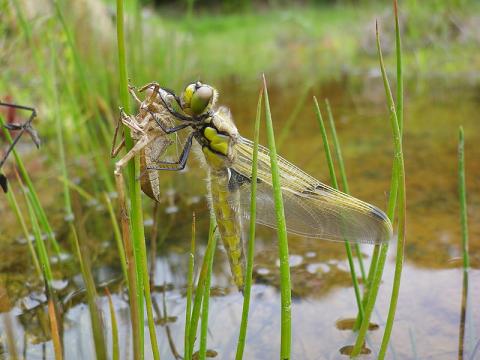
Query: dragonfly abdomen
point(229, 222)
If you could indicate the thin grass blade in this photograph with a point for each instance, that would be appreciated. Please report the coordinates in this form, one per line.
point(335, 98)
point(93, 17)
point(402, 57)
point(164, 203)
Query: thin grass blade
point(285, 284)
point(333, 178)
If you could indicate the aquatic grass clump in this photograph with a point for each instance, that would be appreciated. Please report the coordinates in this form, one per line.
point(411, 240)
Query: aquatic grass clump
point(398, 182)
point(333, 178)
point(198, 306)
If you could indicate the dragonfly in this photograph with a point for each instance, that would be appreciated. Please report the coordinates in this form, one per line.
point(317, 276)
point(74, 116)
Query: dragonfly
point(312, 209)
point(150, 140)
point(25, 127)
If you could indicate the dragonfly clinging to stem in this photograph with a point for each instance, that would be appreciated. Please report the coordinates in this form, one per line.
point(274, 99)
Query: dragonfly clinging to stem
point(312, 209)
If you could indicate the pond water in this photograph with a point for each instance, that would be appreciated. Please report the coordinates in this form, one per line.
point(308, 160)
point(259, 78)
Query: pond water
point(428, 317)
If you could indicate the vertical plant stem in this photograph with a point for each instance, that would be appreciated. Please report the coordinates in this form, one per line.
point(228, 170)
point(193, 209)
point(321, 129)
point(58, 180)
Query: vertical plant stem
point(135, 279)
point(132, 280)
point(97, 328)
point(18, 214)
point(188, 310)
point(397, 129)
point(343, 176)
point(59, 133)
point(462, 194)
point(54, 328)
point(117, 235)
point(333, 178)
point(399, 60)
point(148, 299)
point(251, 240)
point(285, 285)
point(197, 303)
point(47, 276)
point(398, 159)
point(113, 320)
point(138, 236)
point(8, 330)
point(206, 294)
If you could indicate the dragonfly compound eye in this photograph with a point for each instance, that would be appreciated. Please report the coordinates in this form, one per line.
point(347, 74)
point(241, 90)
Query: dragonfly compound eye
point(201, 99)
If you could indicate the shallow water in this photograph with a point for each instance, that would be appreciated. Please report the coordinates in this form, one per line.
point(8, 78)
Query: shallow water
point(429, 309)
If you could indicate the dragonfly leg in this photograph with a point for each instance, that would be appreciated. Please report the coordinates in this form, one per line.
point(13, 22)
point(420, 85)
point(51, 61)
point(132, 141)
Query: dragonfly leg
point(180, 163)
point(3, 183)
point(114, 151)
point(131, 90)
point(128, 121)
point(139, 145)
point(24, 127)
point(168, 130)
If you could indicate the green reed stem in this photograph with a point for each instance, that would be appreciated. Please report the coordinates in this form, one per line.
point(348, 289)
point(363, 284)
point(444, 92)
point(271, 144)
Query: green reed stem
point(343, 176)
point(47, 274)
point(117, 235)
point(397, 129)
point(206, 295)
point(148, 297)
point(12, 201)
point(191, 269)
point(85, 88)
point(285, 284)
point(197, 302)
point(333, 178)
point(39, 243)
point(462, 194)
point(136, 219)
point(400, 183)
point(251, 240)
point(37, 207)
point(399, 59)
point(85, 266)
point(113, 322)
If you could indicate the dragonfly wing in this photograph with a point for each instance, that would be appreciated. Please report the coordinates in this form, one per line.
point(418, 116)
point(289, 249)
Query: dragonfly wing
point(312, 209)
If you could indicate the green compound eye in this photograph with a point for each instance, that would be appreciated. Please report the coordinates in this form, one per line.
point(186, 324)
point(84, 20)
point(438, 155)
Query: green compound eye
point(197, 98)
point(201, 98)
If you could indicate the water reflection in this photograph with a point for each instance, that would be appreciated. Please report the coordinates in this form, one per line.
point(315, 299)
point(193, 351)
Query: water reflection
point(427, 322)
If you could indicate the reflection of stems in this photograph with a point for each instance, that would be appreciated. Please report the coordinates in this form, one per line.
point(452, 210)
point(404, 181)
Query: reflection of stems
point(463, 313)
point(165, 320)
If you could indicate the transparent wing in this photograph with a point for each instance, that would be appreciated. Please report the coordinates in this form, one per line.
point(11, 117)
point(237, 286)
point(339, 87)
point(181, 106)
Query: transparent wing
point(312, 209)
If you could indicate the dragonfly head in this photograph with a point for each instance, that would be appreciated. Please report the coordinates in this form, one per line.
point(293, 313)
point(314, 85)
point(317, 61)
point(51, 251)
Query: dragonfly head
point(198, 98)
